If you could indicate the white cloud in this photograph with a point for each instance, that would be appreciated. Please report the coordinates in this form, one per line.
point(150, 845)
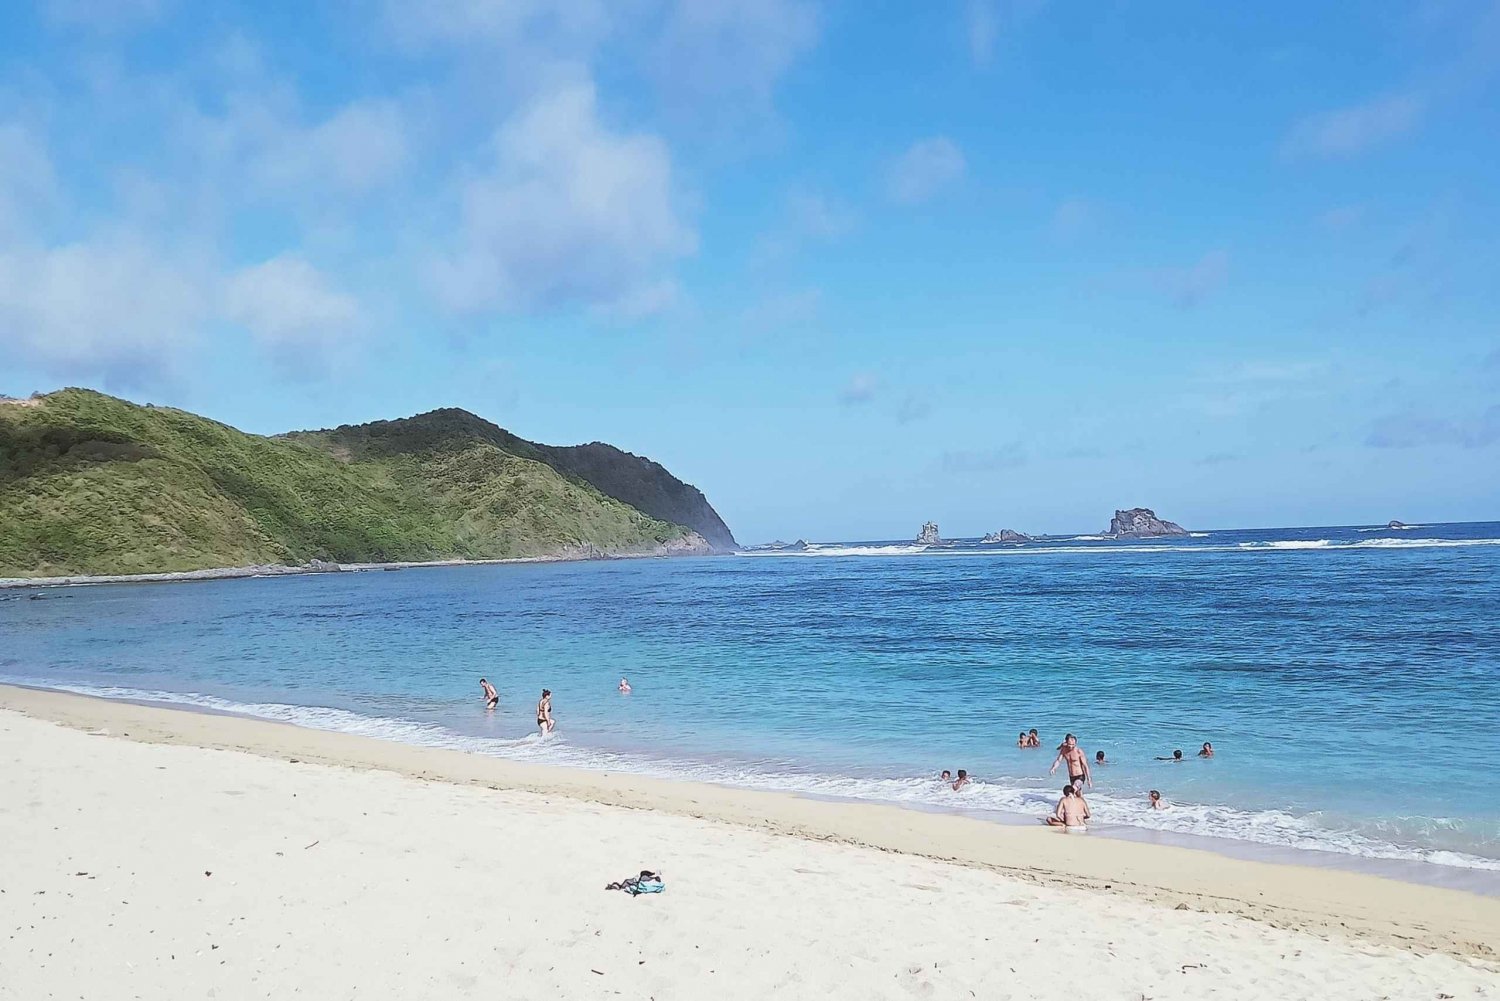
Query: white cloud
point(103, 15)
point(358, 149)
point(726, 56)
point(1352, 130)
point(1414, 430)
point(988, 22)
point(567, 212)
point(561, 23)
point(354, 151)
point(289, 307)
point(117, 310)
point(1071, 218)
point(924, 169)
point(1344, 217)
point(1190, 285)
point(27, 181)
point(862, 388)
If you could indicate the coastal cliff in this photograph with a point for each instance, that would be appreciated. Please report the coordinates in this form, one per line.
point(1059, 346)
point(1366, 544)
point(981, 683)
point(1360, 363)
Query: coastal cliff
point(91, 484)
point(1141, 523)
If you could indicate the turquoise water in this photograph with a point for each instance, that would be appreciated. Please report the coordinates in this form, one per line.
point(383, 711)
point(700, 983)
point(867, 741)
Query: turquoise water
point(1349, 678)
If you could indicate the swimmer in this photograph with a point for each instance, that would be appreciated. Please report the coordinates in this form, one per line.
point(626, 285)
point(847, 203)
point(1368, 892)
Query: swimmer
point(1078, 762)
point(491, 697)
point(1098, 758)
point(624, 686)
point(961, 781)
point(544, 721)
point(1021, 740)
point(1032, 740)
point(1071, 813)
point(947, 776)
point(1176, 756)
point(1156, 800)
point(1208, 750)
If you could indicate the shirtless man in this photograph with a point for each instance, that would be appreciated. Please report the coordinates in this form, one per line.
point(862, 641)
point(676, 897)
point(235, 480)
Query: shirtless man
point(1208, 750)
point(491, 697)
point(1098, 758)
point(544, 722)
point(1071, 813)
point(1078, 762)
point(1032, 740)
point(961, 781)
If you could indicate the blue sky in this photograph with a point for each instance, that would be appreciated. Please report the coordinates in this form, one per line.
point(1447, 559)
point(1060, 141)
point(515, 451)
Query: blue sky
point(845, 266)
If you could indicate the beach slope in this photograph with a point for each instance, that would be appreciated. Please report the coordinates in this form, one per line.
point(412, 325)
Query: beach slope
point(162, 854)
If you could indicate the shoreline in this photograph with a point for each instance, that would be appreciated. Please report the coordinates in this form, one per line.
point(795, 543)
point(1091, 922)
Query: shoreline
point(1311, 899)
point(310, 570)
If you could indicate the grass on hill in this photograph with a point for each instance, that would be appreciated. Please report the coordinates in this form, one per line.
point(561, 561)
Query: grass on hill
point(90, 484)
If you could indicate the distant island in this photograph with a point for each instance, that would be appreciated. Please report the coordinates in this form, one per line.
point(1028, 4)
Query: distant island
point(91, 484)
point(1006, 536)
point(1141, 523)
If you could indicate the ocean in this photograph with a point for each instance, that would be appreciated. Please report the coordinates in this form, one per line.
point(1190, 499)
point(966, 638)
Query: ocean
point(1349, 678)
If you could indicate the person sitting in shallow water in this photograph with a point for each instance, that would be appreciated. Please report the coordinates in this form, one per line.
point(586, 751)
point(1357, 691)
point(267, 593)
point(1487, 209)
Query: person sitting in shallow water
point(1176, 756)
point(1157, 803)
point(1208, 750)
point(947, 776)
point(961, 781)
point(1072, 812)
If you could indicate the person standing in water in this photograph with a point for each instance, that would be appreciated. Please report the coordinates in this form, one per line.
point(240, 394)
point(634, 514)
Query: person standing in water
point(1078, 762)
point(491, 697)
point(544, 723)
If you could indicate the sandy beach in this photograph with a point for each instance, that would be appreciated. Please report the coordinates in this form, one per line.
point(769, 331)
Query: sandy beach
point(155, 853)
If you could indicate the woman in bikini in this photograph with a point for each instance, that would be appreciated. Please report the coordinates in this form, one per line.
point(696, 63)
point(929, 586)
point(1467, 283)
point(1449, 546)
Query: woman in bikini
point(544, 722)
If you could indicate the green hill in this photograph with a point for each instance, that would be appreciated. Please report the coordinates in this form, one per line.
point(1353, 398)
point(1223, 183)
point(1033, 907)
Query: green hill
point(90, 484)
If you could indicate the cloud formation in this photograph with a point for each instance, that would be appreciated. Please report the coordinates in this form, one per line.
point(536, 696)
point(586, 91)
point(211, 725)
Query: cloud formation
point(290, 307)
point(115, 309)
point(1413, 430)
point(1188, 286)
point(861, 388)
point(987, 460)
point(564, 212)
point(924, 169)
point(1353, 130)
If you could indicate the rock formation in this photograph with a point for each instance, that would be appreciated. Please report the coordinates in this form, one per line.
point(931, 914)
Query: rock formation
point(1396, 524)
point(929, 535)
point(1005, 535)
point(1141, 523)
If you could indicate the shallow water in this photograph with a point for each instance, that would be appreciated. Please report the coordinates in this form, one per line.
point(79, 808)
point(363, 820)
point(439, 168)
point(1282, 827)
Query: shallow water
point(1348, 677)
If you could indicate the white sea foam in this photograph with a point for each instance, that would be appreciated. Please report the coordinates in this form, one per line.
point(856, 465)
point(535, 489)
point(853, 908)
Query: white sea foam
point(1266, 827)
point(1089, 538)
point(1391, 528)
point(1036, 549)
point(837, 550)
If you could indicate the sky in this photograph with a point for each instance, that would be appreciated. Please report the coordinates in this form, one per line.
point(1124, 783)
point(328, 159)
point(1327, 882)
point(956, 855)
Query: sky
point(846, 266)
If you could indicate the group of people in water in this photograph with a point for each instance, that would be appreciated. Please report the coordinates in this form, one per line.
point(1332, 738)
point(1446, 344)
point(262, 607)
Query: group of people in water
point(1072, 811)
point(545, 724)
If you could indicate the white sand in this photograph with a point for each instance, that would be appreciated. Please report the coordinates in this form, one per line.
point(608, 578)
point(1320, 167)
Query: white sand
point(334, 882)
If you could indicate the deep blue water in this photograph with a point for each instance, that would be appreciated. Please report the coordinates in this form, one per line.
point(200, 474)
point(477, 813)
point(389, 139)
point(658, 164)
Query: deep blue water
point(1348, 678)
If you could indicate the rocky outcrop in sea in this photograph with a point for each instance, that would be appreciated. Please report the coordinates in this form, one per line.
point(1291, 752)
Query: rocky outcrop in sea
point(1006, 536)
point(1141, 523)
point(929, 535)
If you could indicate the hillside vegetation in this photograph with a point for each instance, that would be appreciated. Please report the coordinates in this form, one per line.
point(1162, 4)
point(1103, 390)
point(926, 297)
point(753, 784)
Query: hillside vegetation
point(90, 484)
